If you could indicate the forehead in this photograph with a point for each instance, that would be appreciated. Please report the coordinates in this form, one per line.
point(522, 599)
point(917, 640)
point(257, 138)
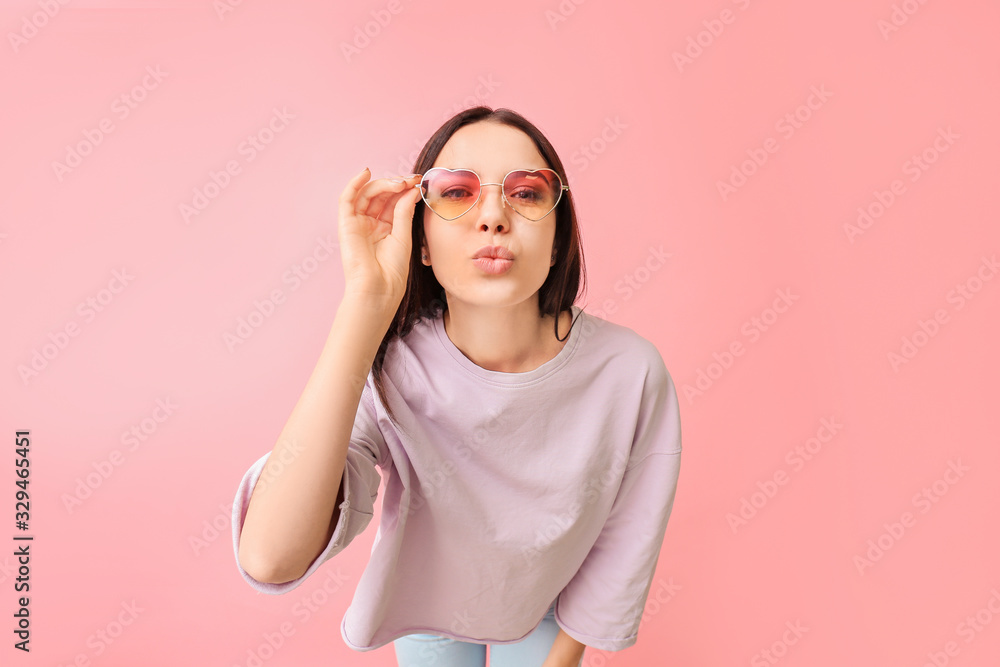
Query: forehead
point(490, 149)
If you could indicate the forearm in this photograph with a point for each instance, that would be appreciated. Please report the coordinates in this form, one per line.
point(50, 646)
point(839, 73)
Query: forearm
point(292, 508)
point(565, 651)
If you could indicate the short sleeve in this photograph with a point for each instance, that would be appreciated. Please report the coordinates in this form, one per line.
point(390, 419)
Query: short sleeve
point(602, 604)
point(366, 450)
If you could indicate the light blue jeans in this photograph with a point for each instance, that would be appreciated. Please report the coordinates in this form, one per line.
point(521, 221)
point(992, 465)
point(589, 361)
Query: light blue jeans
point(418, 650)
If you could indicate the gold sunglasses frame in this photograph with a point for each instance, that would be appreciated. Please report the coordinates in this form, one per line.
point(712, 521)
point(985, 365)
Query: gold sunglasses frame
point(503, 195)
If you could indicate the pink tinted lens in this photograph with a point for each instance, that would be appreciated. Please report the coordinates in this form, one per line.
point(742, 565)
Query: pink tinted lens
point(532, 193)
point(450, 193)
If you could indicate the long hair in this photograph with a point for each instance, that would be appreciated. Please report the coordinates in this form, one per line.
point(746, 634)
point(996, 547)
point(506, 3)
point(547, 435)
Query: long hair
point(424, 296)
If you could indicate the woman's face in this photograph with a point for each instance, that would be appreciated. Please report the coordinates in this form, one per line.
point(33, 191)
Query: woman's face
point(491, 150)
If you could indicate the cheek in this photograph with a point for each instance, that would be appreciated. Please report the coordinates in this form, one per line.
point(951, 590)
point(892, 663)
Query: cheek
point(538, 257)
point(431, 233)
point(444, 245)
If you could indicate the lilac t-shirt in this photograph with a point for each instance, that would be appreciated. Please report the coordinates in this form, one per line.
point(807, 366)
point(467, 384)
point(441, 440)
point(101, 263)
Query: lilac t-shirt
point(505, 492)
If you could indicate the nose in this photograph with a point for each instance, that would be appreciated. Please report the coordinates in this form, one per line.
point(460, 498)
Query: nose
point(492, 207)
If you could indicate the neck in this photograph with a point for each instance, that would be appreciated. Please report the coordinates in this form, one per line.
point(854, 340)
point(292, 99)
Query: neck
point(509, 339)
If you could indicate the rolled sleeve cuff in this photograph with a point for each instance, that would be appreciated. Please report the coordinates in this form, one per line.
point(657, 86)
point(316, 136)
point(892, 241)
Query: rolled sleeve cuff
point(355, 515)
point(600, 643)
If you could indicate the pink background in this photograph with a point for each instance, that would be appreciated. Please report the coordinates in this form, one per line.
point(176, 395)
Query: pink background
point(647, 138)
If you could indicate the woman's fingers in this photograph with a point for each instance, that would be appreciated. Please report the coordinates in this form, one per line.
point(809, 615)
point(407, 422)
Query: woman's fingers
point(377, 188)
point(402, 218)
point(371, 211)
point(379, 206)
point(390, 200)
point(376, 200)
point(374, 196)
point(345, 204)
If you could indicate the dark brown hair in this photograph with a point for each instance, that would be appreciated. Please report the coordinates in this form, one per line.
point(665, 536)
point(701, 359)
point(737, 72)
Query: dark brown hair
point(424, 296)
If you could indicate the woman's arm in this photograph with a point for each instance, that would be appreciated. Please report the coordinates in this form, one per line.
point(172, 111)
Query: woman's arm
point(292, 514)
point(565, 651)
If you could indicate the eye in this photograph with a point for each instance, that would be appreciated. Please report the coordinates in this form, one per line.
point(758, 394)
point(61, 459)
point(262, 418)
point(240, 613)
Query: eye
point(527, 194)
point(455, 192)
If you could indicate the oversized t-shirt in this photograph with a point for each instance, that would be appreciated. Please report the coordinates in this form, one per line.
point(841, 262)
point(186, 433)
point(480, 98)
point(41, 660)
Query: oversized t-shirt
point(505, 492)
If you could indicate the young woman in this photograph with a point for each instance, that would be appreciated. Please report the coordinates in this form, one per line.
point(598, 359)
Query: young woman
point(530, 451)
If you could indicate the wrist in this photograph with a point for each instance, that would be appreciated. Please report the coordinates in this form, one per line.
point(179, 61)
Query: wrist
point(370, 305)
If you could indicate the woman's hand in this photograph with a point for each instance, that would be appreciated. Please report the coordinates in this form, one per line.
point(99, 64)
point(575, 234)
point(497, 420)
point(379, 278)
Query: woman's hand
point(565, 651)
point(374, 232)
